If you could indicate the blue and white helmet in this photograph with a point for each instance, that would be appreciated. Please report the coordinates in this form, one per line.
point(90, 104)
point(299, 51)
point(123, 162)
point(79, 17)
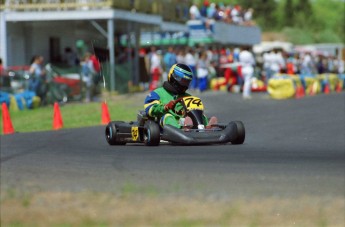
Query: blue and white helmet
point(180, 76)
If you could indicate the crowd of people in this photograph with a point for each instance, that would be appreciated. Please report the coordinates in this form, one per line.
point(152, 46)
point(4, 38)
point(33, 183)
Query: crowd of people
point(234, 14)
point(237, 64)
point(240, 63)
point(40, 73)
point(302, 63)
point(205, 63)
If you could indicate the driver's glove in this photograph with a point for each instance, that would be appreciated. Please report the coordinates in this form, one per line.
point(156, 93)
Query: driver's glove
point(171, 105)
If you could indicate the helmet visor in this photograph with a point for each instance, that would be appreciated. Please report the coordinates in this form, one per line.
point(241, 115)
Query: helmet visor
point(182, 79)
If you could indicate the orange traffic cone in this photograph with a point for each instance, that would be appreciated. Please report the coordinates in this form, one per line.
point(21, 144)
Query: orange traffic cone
point(6, 120)
point(338, 87)
point(326, 91)
point(313, 89)
point(57, 118)
point(299, 92)
point(105, 114)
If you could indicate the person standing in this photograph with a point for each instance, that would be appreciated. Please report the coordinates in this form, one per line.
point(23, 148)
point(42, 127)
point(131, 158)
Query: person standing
point(155, 69)
point(87, 70)
point(38, 74)
point(169, 60)
point(2, 68)
point(70, 57)
point(181, 56)
point(202, 71)
point(191, 62)
point(194, 12)
point(247, 62)
point(267, 61)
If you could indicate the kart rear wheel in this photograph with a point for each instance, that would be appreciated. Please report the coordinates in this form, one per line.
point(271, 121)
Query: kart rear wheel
point(152, 135)
point(241, 133)
point(111, 134)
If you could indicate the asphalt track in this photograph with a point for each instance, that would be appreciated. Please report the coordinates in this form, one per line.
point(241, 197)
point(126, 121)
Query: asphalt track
point(292, 148)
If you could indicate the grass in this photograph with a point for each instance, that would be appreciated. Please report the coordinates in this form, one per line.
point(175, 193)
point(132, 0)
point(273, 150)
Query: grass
point(137, 209)
point(75, 115)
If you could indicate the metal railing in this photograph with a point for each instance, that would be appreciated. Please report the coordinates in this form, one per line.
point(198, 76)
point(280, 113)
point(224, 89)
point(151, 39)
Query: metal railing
point(53, 5)
point(170, 10)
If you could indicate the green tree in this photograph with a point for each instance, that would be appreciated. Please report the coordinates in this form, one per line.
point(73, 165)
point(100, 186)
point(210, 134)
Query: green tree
point(289, 13)
point(264, 12)
point(304, 14)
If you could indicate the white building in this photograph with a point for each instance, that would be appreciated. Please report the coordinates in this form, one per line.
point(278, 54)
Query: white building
point(46, 27)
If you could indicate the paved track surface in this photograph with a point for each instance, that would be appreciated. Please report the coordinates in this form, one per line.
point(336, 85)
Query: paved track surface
point(292, 148)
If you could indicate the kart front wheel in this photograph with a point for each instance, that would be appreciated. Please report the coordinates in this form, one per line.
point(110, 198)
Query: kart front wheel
point(240, 133)
point(152, 134)
point(111, 134)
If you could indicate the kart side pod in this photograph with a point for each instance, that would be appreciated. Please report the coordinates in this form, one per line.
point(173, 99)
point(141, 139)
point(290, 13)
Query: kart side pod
point(120, 133)
point(233, 132)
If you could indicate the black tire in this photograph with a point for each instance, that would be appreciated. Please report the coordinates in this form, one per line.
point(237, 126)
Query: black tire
point(152, 134)
point(240, 133)
point(111, 134)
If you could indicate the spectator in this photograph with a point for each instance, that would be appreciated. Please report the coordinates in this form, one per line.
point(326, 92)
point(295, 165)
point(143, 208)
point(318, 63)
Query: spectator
point(236, 54)
point(37, 78)
point(202, 71)
point(306, 64)
point(169, 60)
point(331, 64)
point(96, 69)
point(191, 62)
point(2, 68)
point(155, 68)
point(267, 60)
point(87, 71)
point(218, 14)
point(321, 66)
point(203, 10)
point(194, 12)
point(211, 10)
point(291, 65)
point(70, 57)
point(236, 15)
point(248, 17)
point(277, 62)
point(341, 66)
point(247, 62)
point(180, 57)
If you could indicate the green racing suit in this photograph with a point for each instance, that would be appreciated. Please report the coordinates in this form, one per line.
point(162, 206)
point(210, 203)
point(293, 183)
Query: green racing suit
point(157, 99)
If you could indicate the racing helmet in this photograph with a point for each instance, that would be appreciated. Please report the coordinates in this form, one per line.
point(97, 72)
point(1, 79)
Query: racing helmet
point(180, 76)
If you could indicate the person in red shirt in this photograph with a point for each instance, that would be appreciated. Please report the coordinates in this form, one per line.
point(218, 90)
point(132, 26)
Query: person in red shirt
point(2, 68)
point(95, 63)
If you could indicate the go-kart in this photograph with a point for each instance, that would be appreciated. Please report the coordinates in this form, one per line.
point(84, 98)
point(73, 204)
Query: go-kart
point(147, 129)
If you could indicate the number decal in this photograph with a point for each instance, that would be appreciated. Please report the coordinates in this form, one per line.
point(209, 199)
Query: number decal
point(197, 102)
point(135, 133)
point(193, 103)
point(188, 100)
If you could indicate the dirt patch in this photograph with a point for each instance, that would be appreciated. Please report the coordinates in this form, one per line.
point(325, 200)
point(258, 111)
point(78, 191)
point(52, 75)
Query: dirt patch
point(274, 36)
point(107, 209)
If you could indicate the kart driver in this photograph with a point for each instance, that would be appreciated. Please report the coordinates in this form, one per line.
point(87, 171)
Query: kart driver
point(164, 99)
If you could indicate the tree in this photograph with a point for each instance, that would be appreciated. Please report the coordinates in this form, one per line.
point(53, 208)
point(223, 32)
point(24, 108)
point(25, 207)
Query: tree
point(264, 11)
point(304, 14)
point(289, 13)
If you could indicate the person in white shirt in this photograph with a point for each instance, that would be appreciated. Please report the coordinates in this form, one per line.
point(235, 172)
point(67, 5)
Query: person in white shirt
point(194, 12)
point(267, 56)
point(247, 62)
point(155, 69)
point(191, 61)
point(180, 57)
point(306, 66)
